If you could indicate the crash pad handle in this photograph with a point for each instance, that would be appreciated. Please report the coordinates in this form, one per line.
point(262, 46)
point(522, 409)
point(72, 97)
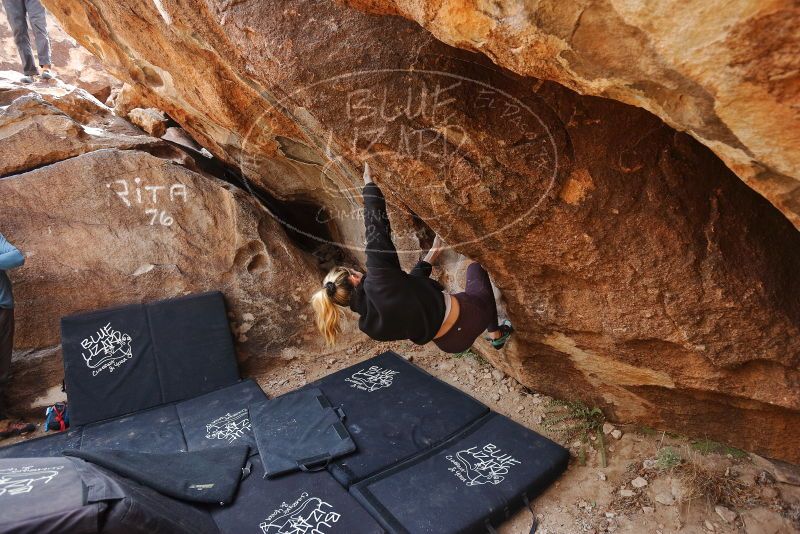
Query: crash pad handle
point(314, 463)
point(529, 506)
point(248, 467)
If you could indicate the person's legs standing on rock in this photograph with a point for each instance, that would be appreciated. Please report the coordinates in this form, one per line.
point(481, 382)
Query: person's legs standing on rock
point(18, 12)
point(10, 258)
point(38, 21)
point(17, 19)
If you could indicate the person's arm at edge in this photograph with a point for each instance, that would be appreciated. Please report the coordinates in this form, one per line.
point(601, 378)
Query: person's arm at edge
point(10, 256)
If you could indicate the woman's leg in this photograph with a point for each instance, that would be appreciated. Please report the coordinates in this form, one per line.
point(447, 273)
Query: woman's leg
point(479, 286)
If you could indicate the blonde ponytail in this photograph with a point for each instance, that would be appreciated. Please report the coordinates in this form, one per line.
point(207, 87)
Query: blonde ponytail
point(327, 302)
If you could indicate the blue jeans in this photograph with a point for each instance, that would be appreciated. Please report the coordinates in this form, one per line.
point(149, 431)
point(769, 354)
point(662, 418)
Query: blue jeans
point(19, 13)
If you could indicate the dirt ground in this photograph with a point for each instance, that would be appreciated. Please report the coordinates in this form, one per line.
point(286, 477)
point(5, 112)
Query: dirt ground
point(587, 498)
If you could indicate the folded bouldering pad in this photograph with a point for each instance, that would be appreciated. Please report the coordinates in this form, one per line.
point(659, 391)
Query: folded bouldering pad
point(155, 430)
point(125, 359)
point(299, 431)
point(209, 476)
point(45, 446)
point(475, 479)
point(393, 410)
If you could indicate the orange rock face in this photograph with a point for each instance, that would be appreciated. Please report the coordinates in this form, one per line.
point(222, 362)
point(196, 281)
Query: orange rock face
point(728, 73)
point(640, 273)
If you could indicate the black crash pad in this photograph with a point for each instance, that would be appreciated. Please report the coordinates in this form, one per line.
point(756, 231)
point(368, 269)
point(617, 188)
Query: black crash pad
point(295, 503)
point(48, 445)
point(482, 475)
point(393, 410)
point(125, 359)
point(299, 431)
point(56, 495)
point(220, 418)
point(155, 430)
point(210, 420)
point(34, 487)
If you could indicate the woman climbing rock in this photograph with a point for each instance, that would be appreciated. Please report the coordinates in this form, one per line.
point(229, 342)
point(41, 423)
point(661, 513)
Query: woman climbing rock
point(395, 305)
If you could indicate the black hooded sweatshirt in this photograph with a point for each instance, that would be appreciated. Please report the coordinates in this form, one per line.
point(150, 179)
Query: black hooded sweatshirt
point(393, 304)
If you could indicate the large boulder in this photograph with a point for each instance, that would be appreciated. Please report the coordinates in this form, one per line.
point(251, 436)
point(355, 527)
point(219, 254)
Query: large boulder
point(34, 132)
point(641, 274)
point(111, 227)
point(726, 72)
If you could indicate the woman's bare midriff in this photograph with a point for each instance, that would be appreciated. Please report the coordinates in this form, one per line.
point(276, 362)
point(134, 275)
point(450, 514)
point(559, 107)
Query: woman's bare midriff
point(451, 318)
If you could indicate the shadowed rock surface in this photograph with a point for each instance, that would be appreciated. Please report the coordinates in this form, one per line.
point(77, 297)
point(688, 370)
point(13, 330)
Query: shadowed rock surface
point(642, 275)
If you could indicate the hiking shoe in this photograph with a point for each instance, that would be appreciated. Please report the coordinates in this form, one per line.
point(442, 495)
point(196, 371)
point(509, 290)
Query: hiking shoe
point(26, 79)
point(505, 329)
point(47, 75)
point(17, 428)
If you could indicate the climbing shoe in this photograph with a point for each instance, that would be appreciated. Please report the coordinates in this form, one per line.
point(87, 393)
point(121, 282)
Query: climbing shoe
point(15, 429)
point(505, 330)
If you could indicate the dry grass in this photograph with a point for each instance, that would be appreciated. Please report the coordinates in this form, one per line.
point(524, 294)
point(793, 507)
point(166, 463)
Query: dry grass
point(715, 487)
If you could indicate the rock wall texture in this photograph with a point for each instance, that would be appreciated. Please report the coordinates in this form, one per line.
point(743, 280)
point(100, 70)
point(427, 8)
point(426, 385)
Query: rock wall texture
point(34, 132)
point(641, 274)
point(103, 223)
point(726, 72)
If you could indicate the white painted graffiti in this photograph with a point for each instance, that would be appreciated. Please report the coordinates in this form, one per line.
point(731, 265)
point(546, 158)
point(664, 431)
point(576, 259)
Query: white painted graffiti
point(150, 195)
point(17, 480)
point(485, 465)
point(229, 427)
point(306, 515)
point(372, 379)
point(107, 349)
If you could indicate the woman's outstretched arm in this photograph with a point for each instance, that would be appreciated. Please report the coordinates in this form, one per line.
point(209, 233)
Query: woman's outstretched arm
point(380, 248)
point(424, 266)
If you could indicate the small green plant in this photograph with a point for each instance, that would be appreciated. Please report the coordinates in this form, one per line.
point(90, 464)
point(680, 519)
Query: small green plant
point(570, 420)
point(707, 446)
point(478, 358)
point(667, 458)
